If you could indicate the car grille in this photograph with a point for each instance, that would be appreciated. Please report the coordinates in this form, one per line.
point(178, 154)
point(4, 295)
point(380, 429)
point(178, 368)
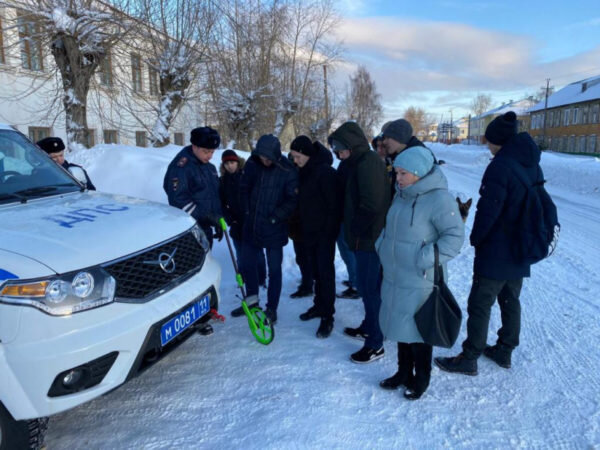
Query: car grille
point(138, 279)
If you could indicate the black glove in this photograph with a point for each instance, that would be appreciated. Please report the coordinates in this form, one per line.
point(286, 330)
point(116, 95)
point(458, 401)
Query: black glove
point(213, 220)
point(219, 233)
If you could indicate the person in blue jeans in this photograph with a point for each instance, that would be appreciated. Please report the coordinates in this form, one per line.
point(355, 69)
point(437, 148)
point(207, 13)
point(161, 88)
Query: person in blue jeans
point(350, 260)
point(269, 196)
point(366, 200)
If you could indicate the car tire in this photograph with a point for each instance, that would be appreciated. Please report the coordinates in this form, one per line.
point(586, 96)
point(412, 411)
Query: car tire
point(21, 434)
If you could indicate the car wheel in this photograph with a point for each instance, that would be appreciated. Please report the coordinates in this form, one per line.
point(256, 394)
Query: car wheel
point(21, 434)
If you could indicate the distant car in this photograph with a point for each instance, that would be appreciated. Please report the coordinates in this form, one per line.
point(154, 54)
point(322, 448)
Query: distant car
point(471, 141)
point(94, 288)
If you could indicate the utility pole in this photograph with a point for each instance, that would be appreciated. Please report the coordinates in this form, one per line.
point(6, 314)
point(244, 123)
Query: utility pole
point(545, 113)
point(326, 101)
point(451, 128)
point(469, 131)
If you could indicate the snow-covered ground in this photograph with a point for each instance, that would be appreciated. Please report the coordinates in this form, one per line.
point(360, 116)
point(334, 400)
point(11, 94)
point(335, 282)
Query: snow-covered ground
point(228, 391)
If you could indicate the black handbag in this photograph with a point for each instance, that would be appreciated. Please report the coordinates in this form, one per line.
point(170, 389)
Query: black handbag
point(438, 319)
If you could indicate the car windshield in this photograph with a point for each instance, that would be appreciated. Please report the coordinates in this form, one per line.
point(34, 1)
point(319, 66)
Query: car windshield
point(27, 172)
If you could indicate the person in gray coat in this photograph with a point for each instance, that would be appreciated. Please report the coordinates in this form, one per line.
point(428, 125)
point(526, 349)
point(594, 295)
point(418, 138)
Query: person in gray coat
point(423, 213)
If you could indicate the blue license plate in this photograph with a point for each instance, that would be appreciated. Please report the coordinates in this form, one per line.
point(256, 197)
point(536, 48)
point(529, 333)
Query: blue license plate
point(175, 326)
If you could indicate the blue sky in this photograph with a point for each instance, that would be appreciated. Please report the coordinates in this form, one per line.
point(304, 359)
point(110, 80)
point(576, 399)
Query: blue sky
point(438, 54)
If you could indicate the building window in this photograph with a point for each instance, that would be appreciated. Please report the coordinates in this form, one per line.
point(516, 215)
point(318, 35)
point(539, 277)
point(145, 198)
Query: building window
point(575, 116)
point(90, 137)
point(110, 137)
point(178, 138)
point(571, 146)
point(153, 79)
point(105, 71)
point(566, 117)
point(136, 72)
point(591, 144)
point(557, 118)
point(37, 133)
point(140, 138)
point(581, 144)
point(594, 113)
point(584, 115)
point(550, 118)
point(31, 47)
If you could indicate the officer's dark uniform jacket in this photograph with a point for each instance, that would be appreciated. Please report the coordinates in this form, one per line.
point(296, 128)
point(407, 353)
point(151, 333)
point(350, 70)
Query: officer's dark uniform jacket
point(193, 187)
point(269, 196)
point(68, 166)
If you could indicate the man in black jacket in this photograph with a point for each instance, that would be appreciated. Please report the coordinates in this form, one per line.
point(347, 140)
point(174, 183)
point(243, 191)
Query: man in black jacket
point(192, 184)
point(497, 273)
point(269, 194)
point(319, 209)
point(55, 148)
point(366, 200)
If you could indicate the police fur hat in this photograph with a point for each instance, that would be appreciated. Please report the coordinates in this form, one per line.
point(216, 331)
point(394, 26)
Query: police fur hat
point(51, 144)
point(502, 128)
point(205, 137)
point(303, 144)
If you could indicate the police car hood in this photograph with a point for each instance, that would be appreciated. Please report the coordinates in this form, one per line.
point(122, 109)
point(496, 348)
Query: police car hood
point(75, 231)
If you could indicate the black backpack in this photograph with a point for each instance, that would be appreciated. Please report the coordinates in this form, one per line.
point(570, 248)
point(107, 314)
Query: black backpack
point(537, 227)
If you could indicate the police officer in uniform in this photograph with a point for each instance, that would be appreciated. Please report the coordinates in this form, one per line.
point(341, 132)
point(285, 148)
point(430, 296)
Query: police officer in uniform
point(55, 147)
point(192, 183)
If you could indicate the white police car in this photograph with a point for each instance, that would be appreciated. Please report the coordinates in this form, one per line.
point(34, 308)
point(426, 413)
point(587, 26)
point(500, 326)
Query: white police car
point(94, 288)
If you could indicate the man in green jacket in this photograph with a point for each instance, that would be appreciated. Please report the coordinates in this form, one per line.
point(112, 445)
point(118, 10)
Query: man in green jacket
point(366, 200)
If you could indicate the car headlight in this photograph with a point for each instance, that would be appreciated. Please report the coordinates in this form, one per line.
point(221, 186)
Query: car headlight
point(200, 237)
point(63, 295)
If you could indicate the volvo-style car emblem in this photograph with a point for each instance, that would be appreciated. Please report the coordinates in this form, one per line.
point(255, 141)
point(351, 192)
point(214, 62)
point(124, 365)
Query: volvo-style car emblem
point(165, 261)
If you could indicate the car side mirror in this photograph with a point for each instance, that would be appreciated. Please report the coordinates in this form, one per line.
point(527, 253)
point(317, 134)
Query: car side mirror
point(79, 174)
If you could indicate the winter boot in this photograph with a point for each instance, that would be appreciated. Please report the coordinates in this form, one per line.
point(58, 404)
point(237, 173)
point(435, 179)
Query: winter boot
point(303, 291)
point(251, 301)
point(310, 314)
point(271, 315)
point(419, 384)
point(499, 354)
point(349, 293)
point(325, 327)
point(405, 369)
point(457, 364)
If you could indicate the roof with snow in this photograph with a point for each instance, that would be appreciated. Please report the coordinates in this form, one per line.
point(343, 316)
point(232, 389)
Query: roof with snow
point(520, 107)
point(580, 91)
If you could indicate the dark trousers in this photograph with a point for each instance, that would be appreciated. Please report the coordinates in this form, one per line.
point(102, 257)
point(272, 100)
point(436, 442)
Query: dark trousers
point(303, 259)
point(322, 254)
point(368, 279)
point(262, 263)
point(481, 299)
point(348, 257)
point(251, 255)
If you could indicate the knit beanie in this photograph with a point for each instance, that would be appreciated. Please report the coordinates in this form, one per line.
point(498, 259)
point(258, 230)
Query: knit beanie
point(51, 144)
point(205, 137)
point(399, 130)
point(303, 144)
point(229, 155)
point(502, 128)
point(416, 160)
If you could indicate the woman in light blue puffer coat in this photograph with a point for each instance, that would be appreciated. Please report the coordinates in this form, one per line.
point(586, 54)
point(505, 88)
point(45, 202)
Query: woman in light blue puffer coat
point(422, 214)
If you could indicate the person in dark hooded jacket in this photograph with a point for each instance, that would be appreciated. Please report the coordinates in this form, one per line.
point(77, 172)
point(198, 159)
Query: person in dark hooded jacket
point(229, 192)
point(366, 200)
point(269, 195)
point(319, 208)
point(496, 271)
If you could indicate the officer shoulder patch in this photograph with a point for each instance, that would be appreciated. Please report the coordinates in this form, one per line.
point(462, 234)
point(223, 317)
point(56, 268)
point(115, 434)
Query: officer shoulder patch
point(182, 161)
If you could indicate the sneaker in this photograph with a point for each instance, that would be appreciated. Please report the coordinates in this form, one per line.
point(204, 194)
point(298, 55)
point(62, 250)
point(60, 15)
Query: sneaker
point(271, 315)
point(303, 291)
point(251, 301)
point(325, 328)
point(349, 293)
point(411, 394)
point(311, 313)
point(347, 283)
point(457, 364)
point(498, 355)
point(355, 333)
point(366, 355)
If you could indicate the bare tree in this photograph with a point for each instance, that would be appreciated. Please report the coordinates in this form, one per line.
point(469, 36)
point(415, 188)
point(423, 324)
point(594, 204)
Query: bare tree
point(173, 36)
point(365, 101)
point(78, 33)
point(481, 103)
point(419, 120)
